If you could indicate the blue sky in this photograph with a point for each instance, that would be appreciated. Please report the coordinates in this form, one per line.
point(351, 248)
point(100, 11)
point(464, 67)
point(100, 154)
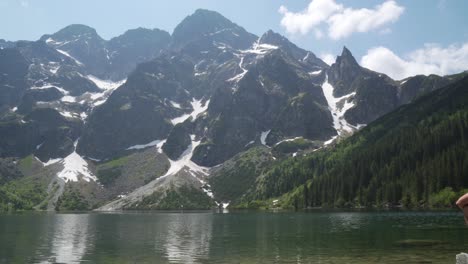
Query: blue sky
point(415, 29)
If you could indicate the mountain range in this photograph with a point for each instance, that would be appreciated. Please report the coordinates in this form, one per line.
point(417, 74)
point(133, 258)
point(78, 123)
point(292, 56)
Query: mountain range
point(197, 119)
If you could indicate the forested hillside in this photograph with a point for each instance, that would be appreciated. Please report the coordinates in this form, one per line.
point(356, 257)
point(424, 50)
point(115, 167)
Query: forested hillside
point(414, 156)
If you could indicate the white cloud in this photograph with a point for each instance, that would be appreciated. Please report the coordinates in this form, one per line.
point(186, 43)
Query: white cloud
point(302, 22)
point(318, 34)
point(341, 21)
point(432, 59)
point(343, 24)
point(328, 58)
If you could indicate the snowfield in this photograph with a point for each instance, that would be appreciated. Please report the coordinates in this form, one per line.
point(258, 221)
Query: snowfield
point(157, 143)
point(105, 84)
point(70, 56)
point(264, 136)
point(74, 167)
point(197, 107)
point(339, 122)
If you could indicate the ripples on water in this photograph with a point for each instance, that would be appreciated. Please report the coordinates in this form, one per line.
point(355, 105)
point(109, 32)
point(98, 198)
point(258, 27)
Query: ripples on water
point(242, 237)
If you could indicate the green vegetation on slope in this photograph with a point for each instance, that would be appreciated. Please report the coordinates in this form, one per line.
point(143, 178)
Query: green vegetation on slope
point(22, 194)
point(71, 200)
point(177, 198)
point(407, 157)
point(295, 145)
point(239, 174)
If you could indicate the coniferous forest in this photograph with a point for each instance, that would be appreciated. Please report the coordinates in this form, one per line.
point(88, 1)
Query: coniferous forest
point(413, 157)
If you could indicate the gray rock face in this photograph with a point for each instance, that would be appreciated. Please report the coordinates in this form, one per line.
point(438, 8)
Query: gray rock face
point(462, 258)
point(134, 47)
point(13, 70)
point(138, 112)
point(375, 94)
point(178, 140)
point(304, 56)
point(113, 59)
point(205, 24)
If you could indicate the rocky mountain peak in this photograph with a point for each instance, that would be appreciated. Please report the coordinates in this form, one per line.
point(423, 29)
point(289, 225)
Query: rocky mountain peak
point(141, 33)
point(199, 23)
point(73, 32)
point(6, 44)
point(205, 23)
point(271, 37)
point(346, 59)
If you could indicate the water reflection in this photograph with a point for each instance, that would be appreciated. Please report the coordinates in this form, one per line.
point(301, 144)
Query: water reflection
point(186, 238)
point(346, 221)
point(251, 237)
point(71, 238)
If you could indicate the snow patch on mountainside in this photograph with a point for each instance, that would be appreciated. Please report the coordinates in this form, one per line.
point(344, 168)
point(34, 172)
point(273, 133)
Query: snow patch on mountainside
point(195, 170)
point(51, 161)
point(105, 84)
point(257, 49)
point(75, 167)
point(54, 67)
point(48, 86)
point(315, 72)
point(68, 99)
point(260, 49)
point(176, 105)
point(328, 142)
point(70, 56)
point(241, 75)
point(157, 143)
point(67, 114)
point(339, 122)
point(264, 136)
point(107, 87)
point(185, 161)
point(198, 108)
point(287, 140)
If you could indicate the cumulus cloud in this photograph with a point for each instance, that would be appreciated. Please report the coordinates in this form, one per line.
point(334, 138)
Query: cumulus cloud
point(328, 58)
point(432, 59)
point(316, 13)
point(345, 23)
point(341, 21)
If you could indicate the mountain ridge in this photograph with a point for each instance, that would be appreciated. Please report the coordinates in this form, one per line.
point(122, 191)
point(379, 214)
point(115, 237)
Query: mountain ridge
point(191, 103)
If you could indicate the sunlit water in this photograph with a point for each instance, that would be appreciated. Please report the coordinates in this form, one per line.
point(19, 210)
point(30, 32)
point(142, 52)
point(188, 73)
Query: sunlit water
point(239, 237)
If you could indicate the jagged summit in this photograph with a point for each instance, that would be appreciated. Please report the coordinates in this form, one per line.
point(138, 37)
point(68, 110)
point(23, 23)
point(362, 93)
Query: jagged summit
point(346, 59)
point(272, 38)
point(142, 32)
point(6, 44)
point(140, 37)
point(199, 23)
point(73, 31)
point(205, 23)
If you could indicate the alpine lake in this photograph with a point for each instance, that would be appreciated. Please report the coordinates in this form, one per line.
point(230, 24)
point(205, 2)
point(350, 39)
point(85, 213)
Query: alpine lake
point(233, 237)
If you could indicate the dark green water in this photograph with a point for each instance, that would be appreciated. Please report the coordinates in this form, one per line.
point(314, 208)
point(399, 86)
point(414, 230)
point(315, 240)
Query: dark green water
point(241, 237)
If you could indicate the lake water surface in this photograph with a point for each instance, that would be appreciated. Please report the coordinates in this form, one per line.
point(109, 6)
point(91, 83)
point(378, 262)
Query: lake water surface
point(236, 237)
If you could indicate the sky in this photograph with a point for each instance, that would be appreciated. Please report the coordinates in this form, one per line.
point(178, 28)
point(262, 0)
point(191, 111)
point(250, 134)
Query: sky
point(398, 37)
